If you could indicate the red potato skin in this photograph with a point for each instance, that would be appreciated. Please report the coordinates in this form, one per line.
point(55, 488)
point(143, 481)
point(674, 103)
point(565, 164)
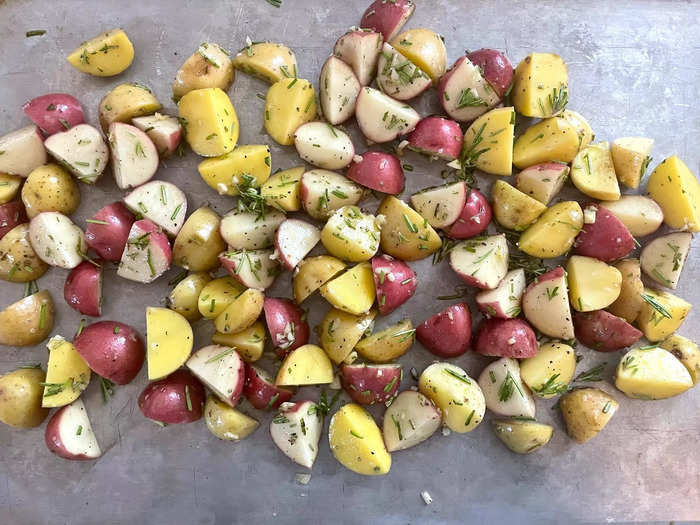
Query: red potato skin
point(606, 239)
point(494, 335)
point(497, 69)
point(279, 312)
point(371, 384)
point(109, 240)
point(166, 400)
point(448, 333)
point(260, 390)
point(387, 17)
point(83, 289)
point(437, 136)
point(11, 214)
point(474, 219)
point(157, 237)
point(378, 171)
point(111, 349)
point(390, 292)
point(603, 331)
point(52, 438)
point(47, 112)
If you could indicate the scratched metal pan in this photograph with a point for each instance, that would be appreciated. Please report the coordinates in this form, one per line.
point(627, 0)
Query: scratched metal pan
point(634, 70)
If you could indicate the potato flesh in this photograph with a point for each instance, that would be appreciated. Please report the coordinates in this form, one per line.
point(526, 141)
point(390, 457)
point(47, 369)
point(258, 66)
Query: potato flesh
point(593, 285)
point(226, 422)
point(19, 262)
point(281, 190)
point(629, 302)
point(540, 85)
point(405, 234)
point(631, 156)
point(199, 243)
point(687, 352)
point(356, 441)
point(674, 187)
point(552, 139)
point(67, 368)
point(106, 55)
point(553, 365)
point(225, 174)
point(640, 214)
point(249, 343)
point(306, 365)
point(267, 60)
point(583, 128)
point(652, 373)
point(542, 185)
point(655, 325)
point(522, 437)
point(388, 344)
point(289, 103)
point(593, 173)
point(663, 258)
point(209, 67)
point(241, 313)
point(185, 296)
point(352, 291)
point(351, 235)
point(340, 331)
point(169, 341)
point(554, 232)
point(210, 121)
point(425, 49)
point(9, 187)
point(217, 295)
point(490, 140)
point(314, 272)
point(586, 411)
point(514, 209)
point(504, 391)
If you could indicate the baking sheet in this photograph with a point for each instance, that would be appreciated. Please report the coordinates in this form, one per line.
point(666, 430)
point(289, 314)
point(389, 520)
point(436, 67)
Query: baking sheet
point(634, 69)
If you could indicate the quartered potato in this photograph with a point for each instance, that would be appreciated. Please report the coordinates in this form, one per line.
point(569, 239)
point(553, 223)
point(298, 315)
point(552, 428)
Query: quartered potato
point(640, 214)
point(283, 189)
point(387, 344)
point(57, 240)
point(631, 157)
point(593, 173)
point(9, 187)
point(21, 393)
point(289, 103)
point(226, 422)
point(125, 102)
point(209, 67)
point(662, 314)
point(352, 291)
point(19, 263)
point(554, 232)
point(67, 374)
point(199, 243)
point(184, 297)
point(405, 234)
point(356, 441)
point(541, 85)
point(249, 343)
point(105, 55)
point(267, 60)
point(664, 257)
point(241, 313)
point(512, 208)
point(488, 142)
point(425, 48)
point(586, 411)
point(246, 166)
point(340, 331)
point(629, 303)
point(551, 139)
point(210, 121)
point(549, 371)
point(687, 352)
point(593, 285)
point(169, 341)
point(652, 373)
point(522, 436)
point(306, 365)
point(351, 235)
point(583, 128)
point(677, 191)
point(314, 272)
point(252, 268)
point(28, 321)
point(217, 295)
point(504, 391)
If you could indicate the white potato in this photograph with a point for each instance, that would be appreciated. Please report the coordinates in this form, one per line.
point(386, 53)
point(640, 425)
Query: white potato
point(244, 230)
point(22, 151)
point(338, 89)
point(296, 430)
point(504, 390)
point(641, 214)
point(663, 258)
point(82, 150)
point(409, 420)
point(161, 202)
point(398, 77)
point(57, 240)
point(134, 156)
point(323, 145)
point(323, 192)
point(382, 118)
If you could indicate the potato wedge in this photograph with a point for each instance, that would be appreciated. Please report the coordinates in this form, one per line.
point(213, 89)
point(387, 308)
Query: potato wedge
point(23, 151)
point(217, 295)
point(67, 374)
point(282, 190)
point(552, 139)
point(409, 420)
point(504, 391)
point(629, 303)
point(398, 77)
point(522, 436)
point(554, 232)
point(631, 156)
point(586, 411)
point(267, 61)
point(125, 102)
point(184, 297)
point(651, 373)
point(581, 125)
point(351, 234)
point(226, 422)
point(314, 272)
point(241, 313)
point(546, 306)
point(210, 121)
point(387, 344)
point(687, 353)
point(542, 181)
point(677, 191)
point(640, 214)
point(541, 85)
point(105, 55)
point(488, 142)
point(662, 314)
point(405, 234)
point(247, 230)
point(323, 145)
point(209, 67)
point(382, 118)
point(249, 343)
point(169, 341)
point(593, 285)
point(289, 103)
point(356, 441)
point(324, 191)
point(245, 166)
point(593, 173)
point(340, 331)
point(425, 48)
point(199, 243)
point(512, 208)
point(20, 398)
point(19, 263)
point(352, 291)
point(306, 365)
point(550, 371)
point(28, 321)
point(664, 257)
point(252, 268)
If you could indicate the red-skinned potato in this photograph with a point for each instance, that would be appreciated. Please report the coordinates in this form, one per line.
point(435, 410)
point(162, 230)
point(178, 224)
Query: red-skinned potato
point(497, 69)
point(54, 112)
point(447, 333)
point(176, 399)
point(108, 231)
point(286, 324)
point(11, 214)
point(83, 288)
point(504, 300)
point(382, 118)
point(603, 235)
point(69, 433)
point(147, 254)
point(371, 384)
point(546, 306)
point(165, 132)
point(442, 205)
point(23, 151)
point(481, 262)
point(395, 282)
point(474, 219)
point(260, 389)
point(437, 137)
point(338, 89)
point(387, 18)
point(603, 331)
point(112, 350)
point(294, 240)
point(221, 369)
point(377, 171)
point(360, 50)
point(506, 338)
point(464, 92)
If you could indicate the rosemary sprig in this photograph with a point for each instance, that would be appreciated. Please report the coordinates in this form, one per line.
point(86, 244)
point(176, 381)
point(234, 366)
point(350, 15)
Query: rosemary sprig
point(592, 375)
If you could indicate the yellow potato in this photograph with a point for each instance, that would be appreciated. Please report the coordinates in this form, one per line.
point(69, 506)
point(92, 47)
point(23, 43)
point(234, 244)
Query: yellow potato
point(674, 187)
point(387, 344)
point(282, 190)
point(9, 187)
point(457, 395)
point(19, 262)
point(226, 422)
point(209, 121)
point(209, 67)
point(543, 184)
point(267, 60)
point(169, 341)
point(550, 370)
point(629, 303)
point(425, 48)
point(352, 291)
point(125, 102)
point(651, 373)
point(217, 295)
point(306, 365)
point(50, 188)
point(631, 156)
point(554, 232)
point(351, 235)
point(28, 321)
point(405, 234)
point(67, 374)
point(640, 214)
point(488, 142)
point(583, 128)
point(184, 298)
point(540, 85)
point(593, 285)
point(290, 102)
point(247, 165)
point(512, 208)
point(552, 139)
point(314, 272)
point(340, 331)
point(199, 243)
point(20, 398)
point(106, 55)
point(241, 313)
point(357, 442)
point(662, 314)
point(249, 343)
point(592, 172)
point(522, 436)
point(687, 353)
point(586, 411)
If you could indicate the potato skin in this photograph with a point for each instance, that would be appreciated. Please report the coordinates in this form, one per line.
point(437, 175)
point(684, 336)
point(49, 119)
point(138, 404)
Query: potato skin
point(447, 333)
point(522, 437)
point(606, 239)
point(184, 298)
point(19, 262)
point(20, 398)
point(167, 400)
point(586, 411)
point(50, 188)
point(629, 303)
point(125, 102)
point(12, 214)
point(603, 331)
point(28, 321)
point(506, 338)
